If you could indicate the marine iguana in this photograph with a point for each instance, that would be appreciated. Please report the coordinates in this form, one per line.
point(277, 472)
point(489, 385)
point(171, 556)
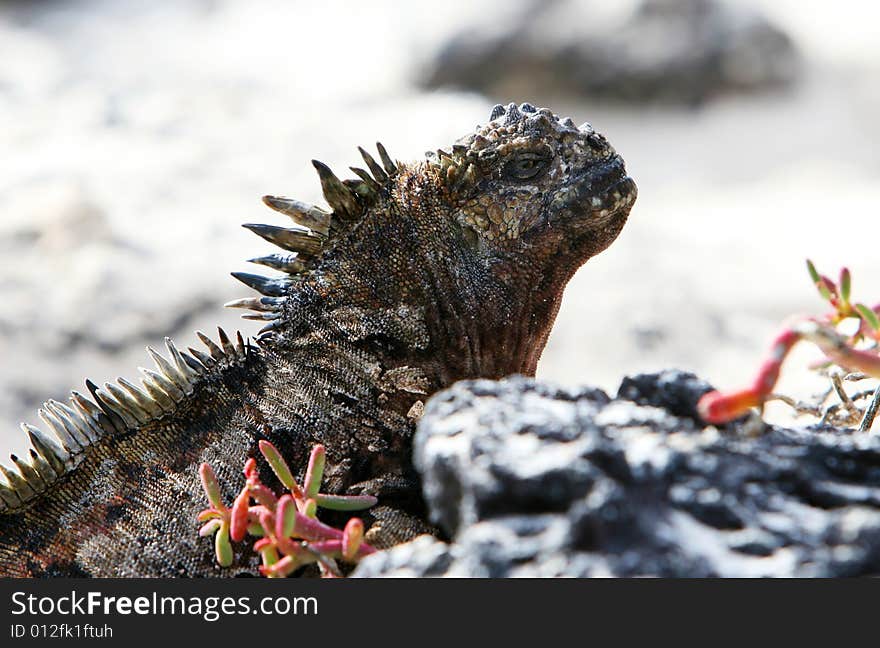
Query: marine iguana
point(421, 274)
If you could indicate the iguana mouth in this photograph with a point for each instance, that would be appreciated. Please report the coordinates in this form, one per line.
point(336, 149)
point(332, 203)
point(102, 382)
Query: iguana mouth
point(618, 196)
point(600, 190)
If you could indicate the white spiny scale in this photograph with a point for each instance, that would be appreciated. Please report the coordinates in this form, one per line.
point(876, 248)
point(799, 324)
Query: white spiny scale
point(71, 422)
point(28, 473)
point(126, 401)
point(304, 242)
point(170, 371)
point(378, 171)
point(18, 483)
point(302, 213)
point(146, 402)
point(288, 263)
point(367, 179)
point(54, 416)
point(228, 349)
point(253, 303)
point(67, 441)
point(163, 383)
point(48, 448)
point(90, 414)
point(271, 326)
point(337, 194)
point(270, 315)
point(206, 360)
point(162, 400)
point(387, 162)
point(185, 370)
point(216, 351)
point(193, 363)
point(44, 469)
point(271, 287)
point(50, 452)
point(267, 308)
point(118, 408)
point(8, 495)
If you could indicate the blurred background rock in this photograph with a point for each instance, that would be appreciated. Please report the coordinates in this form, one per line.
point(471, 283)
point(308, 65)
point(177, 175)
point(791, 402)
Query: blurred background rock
point(673, 51)
point(136, 136)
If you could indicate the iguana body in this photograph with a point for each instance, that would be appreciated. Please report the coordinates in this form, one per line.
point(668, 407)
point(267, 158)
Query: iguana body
point(423, 274)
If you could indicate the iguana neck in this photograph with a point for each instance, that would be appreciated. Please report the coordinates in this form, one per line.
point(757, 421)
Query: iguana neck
point(406, 287)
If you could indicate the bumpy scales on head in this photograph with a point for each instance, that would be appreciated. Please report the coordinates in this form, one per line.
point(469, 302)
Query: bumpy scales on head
point(417, 276)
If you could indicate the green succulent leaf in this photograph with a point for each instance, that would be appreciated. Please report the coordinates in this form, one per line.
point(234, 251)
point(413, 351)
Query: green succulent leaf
point(278, 465)
point(814, 274)
point(211, 486)
point(817, 279)
point(286, 517)
point(845, 284)
point(222, 545)
point(869, 316)
point(315, 471)
point(310, 508)
point(269, 555)
point(209, 528)
point(345, 502)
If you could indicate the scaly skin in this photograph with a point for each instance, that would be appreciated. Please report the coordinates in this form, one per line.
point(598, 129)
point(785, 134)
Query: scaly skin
point(431, 272)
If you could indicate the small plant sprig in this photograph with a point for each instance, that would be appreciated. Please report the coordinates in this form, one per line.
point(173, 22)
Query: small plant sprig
point(290, 535)
point(857, 352)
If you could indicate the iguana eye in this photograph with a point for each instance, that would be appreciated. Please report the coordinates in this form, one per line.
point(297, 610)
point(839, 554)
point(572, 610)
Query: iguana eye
point(525, 166)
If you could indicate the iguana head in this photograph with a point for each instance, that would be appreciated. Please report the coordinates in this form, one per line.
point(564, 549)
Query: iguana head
point(536, 185)
point(480, 239)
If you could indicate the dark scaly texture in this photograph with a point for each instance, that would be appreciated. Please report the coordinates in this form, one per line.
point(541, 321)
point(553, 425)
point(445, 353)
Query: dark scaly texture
point(422, 274)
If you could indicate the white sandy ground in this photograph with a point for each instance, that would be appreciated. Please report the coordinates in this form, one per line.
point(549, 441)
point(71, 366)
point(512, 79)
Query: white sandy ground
point(135, 137)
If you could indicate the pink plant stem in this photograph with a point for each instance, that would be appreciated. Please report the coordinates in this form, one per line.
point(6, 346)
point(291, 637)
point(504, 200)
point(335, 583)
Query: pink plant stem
point(836, 348)
point(314, 471)
point(309, 528)
point(718, 407)
point(239, 520)
point(263, 495)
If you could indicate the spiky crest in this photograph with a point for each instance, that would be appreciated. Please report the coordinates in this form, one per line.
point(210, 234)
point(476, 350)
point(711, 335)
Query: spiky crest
point(317, 229)
point(72, 431)
point(120, 407)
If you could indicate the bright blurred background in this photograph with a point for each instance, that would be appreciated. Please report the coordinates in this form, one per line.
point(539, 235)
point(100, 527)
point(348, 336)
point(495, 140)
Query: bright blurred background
point(135, 137)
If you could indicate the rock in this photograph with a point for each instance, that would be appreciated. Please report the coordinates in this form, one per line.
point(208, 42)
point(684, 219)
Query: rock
point(677, 51)
point(528, 479)
point(503, 471)
point(675, 391)
point(423, 557)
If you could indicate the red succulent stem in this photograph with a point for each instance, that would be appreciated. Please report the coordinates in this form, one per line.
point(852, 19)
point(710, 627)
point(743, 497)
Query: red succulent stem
point(721, 407)
point(717, 407)
point(239, 522)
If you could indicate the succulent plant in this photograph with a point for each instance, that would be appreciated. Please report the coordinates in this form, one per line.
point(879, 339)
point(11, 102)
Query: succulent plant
point(290, 534)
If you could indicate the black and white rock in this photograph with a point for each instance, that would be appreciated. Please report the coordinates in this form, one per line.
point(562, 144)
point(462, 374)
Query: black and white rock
point(677, 51)
point(529, 479)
